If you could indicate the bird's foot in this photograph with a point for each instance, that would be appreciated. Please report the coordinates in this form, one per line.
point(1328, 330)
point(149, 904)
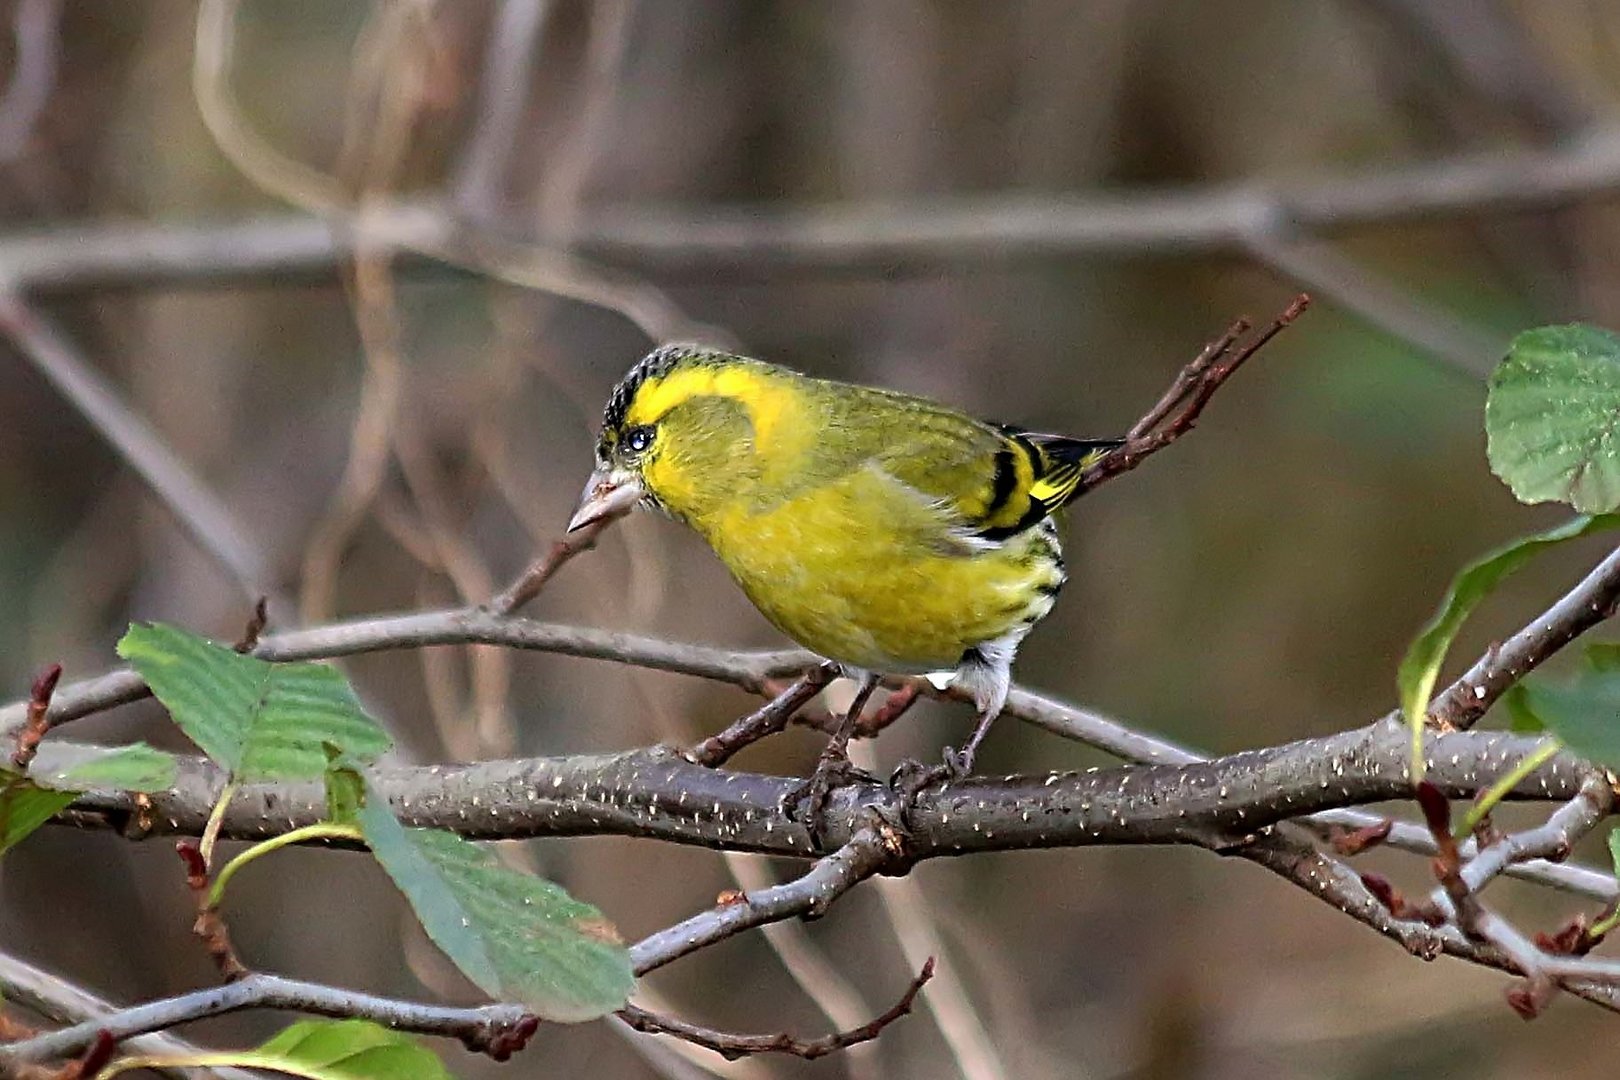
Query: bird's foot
point(833, 771)
point(911, 777)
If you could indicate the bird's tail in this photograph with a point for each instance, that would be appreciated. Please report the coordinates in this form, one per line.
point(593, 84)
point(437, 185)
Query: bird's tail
point(1061, 462)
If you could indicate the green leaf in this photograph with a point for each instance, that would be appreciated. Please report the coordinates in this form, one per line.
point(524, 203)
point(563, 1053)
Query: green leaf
point(320, 1050)
point(1584, 713)
point(354, 1048)
point(261, 721)
point(125, 768)
point(1603, 655)
point(1421, 666)
point(24, 807)
point(1614, 850)
point(1521, 717)
point(517, 937)
point(345, 787)
point(1552, 417)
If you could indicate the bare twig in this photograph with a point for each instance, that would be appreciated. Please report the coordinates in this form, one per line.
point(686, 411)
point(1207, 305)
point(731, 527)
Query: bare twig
point(731, 1046)
point(496, 1030)
point(534, 577)
point(869, 849)
point(198, 512)
point(36, 724)
point(54, 997)
point(210, 925)
point(1589, 603)
point(768, 719)
point(1554, 839)
point(255, 627)
point(1177, 411)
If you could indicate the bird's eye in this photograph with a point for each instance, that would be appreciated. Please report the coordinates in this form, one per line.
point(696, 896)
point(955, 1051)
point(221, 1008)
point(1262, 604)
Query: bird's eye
point(637, 439)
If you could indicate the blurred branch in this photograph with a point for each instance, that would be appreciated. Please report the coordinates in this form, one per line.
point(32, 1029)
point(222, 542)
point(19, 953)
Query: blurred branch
point(503, 89)
point(57, 999)
point(36, 35)
point(851, 236)
point(196, 509)
point(552, 266)
point(1319, 265)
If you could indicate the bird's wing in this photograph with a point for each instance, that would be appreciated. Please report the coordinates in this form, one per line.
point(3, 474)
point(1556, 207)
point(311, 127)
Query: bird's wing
point(993, 482)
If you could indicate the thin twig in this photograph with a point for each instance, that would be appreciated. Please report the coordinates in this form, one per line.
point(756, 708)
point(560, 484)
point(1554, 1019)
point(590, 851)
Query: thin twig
point(203, 517)
point(732, 1046)
point(497, 1030)
point(528, 584)
point(36, 724)
point(1589, 603)
point(255, 627)
point(869, 850)
point(1319, 265)
point(57, 999)
point(209, 925)
point(770, 718)
point(1178, 410)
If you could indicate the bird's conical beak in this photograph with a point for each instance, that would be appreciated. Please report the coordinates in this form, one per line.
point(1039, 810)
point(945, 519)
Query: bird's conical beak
point(609, 493)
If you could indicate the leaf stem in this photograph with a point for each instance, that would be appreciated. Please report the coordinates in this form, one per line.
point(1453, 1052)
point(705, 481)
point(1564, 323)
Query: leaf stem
point(1498, 791)
point(216, 820)
point(325, 830)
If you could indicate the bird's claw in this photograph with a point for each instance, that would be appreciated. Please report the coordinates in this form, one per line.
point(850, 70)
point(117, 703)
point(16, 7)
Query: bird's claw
point(833, 771)
point(911, 778)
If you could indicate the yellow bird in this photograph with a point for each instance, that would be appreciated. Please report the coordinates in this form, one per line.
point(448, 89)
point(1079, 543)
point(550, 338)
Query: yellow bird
point(884, 532)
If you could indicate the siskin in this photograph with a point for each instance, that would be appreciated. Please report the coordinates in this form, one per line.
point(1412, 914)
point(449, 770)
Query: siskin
point(884, 532)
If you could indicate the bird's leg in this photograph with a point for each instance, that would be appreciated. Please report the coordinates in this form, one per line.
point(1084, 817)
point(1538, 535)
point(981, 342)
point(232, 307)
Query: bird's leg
point(833, 767)
point(960, 762)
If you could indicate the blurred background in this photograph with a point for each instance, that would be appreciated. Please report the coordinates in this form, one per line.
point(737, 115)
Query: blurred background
point(1037, 209)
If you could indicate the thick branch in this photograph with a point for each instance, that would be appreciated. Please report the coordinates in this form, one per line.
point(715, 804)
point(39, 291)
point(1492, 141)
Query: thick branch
point(658, 794)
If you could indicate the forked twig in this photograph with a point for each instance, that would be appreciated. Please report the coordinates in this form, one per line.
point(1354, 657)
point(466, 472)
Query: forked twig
point(1177, 411)
point(732, 1046)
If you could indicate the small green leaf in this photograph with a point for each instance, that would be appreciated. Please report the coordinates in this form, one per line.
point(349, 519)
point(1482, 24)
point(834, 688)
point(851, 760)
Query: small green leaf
point(1614, 850)
point(1552, 415)
point(1603, 655)
point(25, 806)
point(259, 720)
point(320, 1050)
point(1584, 713)
point(517, 937)
point(345, 787)
point(1421, 666)
point(1521, 717)
point(125, 768)
point(354, 1048)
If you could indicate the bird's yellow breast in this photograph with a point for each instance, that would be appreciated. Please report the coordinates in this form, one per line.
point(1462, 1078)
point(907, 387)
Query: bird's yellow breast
point(866, 574)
